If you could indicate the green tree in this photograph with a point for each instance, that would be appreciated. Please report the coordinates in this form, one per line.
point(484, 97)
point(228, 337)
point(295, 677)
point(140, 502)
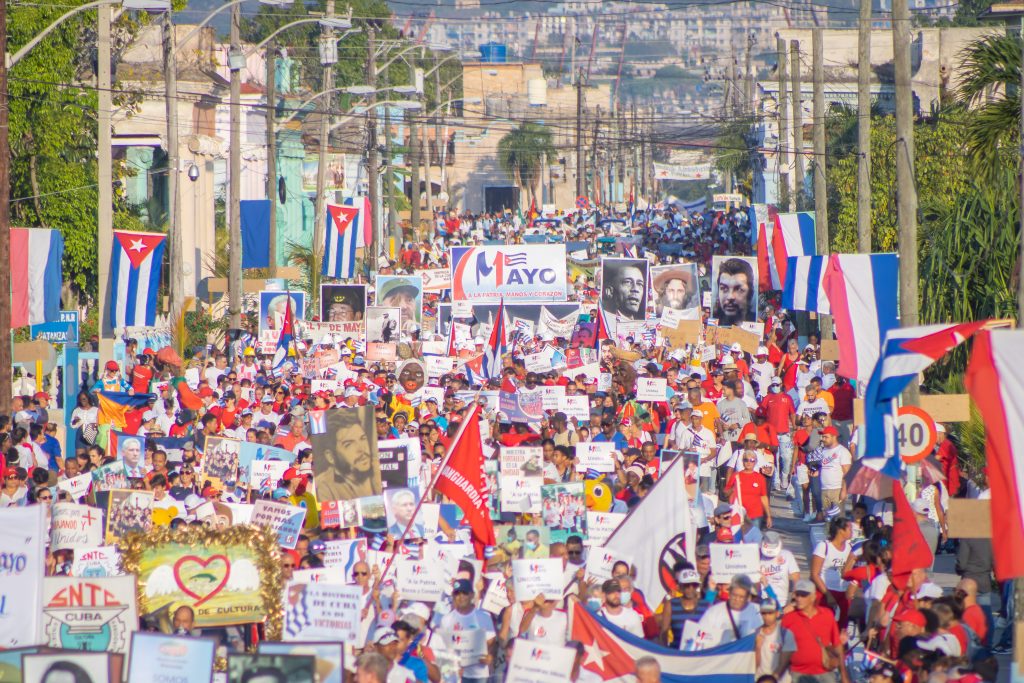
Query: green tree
point(990, 71)
point(734, 150)
point(523, 152)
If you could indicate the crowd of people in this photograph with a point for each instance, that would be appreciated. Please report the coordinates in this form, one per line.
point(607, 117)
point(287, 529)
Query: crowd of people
point(768, 435)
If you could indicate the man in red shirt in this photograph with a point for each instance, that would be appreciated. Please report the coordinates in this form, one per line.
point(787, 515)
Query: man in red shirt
point(842, 406)
point(950, 459)
point(816, 634)
point(779, 412)
point(142, 373)
point(973, 616)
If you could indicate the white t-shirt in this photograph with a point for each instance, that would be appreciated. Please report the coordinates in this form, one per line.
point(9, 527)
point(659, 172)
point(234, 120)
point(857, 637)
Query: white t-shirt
point(213, 374)
point(777, 570)
point(627, 619)
point(762, 373)
point(834, 561)
point(812, 408)
point(772, 646)
point(548, 629)
point(832, 462)
point(718, 629)
point(876, 590)
point(700, 440)
point(461, 634)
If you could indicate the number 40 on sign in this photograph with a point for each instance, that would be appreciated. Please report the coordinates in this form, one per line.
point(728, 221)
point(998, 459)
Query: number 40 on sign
point(915, 430)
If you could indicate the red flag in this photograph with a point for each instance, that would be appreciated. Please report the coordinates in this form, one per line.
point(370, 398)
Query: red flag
point(463, 481)
point(912, 548)
point(601, 333)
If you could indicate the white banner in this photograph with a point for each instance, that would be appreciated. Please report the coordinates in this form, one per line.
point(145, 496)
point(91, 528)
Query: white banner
point(75, 526)
point(22, 553)
point(516, 273)
point(729, 559)
point(557, 327)
point(534, 662)
point(331, 612)
point(681, 171)
point(538, 577)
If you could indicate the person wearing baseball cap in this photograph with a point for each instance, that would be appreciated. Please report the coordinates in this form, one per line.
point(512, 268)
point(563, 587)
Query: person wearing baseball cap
point(111, 379)
point(778, 566)
point(683, 604)
point(815, 631)
point(836, 461)
point(14, 490)
point(465, 617)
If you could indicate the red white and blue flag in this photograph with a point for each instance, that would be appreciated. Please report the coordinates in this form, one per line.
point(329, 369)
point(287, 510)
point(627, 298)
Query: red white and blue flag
point(363, 221)
point(497, 346)
point(763, 218)
point(36, 275)
point(995, 381)
point(135, 278)
point(804, 289)
point(792, 235)
point(284, 341)
point(340, 241)
point(861, 291)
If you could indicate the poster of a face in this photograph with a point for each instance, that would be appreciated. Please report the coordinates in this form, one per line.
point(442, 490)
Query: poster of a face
point(342, 303)
point(583, 335)
point(675, 287)
point(624, 288)
point(400, 505)
point(733, 289)
point(329, 656)
point(65, 667)
point(274, 304)
point(404, 292)
point(271, 668)
point(345, 460)
point(129, 451)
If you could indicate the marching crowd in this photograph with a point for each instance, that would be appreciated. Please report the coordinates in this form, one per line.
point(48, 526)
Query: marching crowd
point(760, 432)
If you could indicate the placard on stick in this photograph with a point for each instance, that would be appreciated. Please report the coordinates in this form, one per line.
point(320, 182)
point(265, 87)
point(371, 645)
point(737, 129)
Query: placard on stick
point(969, 518)
point(685, 332)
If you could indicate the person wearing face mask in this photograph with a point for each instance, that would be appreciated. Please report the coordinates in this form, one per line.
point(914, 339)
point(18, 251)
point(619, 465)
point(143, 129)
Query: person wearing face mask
point(682, 605)
point(780, 412)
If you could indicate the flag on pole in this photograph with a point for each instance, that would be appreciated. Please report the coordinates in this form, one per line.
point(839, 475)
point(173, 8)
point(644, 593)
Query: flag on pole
point(463, 481)
point(907, 352)
point(114, 406)
point(284, 341)
point(804, 289)
point(792, 235)
point(534, 213)
point(914, 552)
point(363, 220)
point(340, 241)
point(861, 291)
point(36, 275)
point(610, 654)
point(657, 533)
point(764, 221)
point(135, 278)
point(497, 346)
point(601, 333)
point(995, 381)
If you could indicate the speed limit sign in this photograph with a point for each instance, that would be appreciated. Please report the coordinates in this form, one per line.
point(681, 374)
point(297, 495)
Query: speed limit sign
point(915, 431)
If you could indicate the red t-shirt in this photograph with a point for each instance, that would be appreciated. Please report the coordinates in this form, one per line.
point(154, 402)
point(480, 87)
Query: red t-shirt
point(778, 408)
point(141, 375)
point(974, 617)
point(752, 487)
point(842, 399)
point(811, 634)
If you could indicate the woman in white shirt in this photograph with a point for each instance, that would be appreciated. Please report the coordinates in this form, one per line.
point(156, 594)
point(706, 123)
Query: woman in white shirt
point(84, 415)
point(829, 562)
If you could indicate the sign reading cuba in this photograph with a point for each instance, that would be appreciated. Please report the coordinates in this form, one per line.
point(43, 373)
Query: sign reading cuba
point(524, 272)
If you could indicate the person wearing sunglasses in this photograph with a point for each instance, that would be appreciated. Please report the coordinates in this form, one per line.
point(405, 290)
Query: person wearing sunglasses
point(814, 629)
point(43, 496)
point(753, 490)
point(14, 492)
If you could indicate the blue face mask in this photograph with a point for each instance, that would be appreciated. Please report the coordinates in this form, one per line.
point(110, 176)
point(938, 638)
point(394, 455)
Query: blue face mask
point(594, 604)
point(530, 545)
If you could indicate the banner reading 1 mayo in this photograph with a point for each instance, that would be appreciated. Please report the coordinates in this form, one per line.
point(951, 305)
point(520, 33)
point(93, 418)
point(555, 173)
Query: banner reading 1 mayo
point(525, 272)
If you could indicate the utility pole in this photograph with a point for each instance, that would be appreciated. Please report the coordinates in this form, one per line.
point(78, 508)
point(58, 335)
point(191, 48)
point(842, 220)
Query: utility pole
point(579, 134)
point(414, 161)
point(177, 256)
point(798, 123)
point(388, 181)
point(104, 194)
point(906, 194)
point(643, 159)
point(594, 173)
point(424, 155)
point(6, 376)
point(372, 175)
point(235, 61)
point(328, 57)
point(730, 104)
point(820, 192)
point(748, 80)
point(864, 128)
point(784, 189)
point(272, 152)
point(439, 152)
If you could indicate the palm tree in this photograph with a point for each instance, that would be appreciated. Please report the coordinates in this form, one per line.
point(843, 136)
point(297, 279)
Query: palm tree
point(991, 73)
point(523, 152)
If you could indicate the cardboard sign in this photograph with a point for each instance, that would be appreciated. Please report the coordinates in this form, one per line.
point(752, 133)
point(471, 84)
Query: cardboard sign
point(829, 349)
point(96, 615)
point(727, 336)
point(534, 662)
point(283, 519)
point(537, 577)
point(729, 559)
point(325, 610)
point(496, 596)
point(420, 580)
point(520, 494)
point(600, 525)
point(595, 455)
point(75, 526)
point(969, 518)
point(96, 562)
point(651, 389)
point(685, 332)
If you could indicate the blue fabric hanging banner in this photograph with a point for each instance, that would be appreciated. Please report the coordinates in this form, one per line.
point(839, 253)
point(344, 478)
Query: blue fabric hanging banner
point(255, 215)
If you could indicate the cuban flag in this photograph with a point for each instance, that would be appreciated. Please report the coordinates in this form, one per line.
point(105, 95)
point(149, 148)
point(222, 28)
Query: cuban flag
point(762, 217)
point(497, 346)
point(995, 381)
point(792, 235)
point(610, 653)
point(804, 289)
point(135, 278)
point(340, 241)
point(861, 290)
point(36, 275)
point(284, 341)
point(906, 352)
point(363, 221)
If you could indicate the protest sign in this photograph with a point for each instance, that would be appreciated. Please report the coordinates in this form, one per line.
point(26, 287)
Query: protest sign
point(323, 610)
point(595, 455)
point(344, 554)
point(399, 463)
point(264, 474)
point(552, 396)
point(127, 510)
point(22, 551)
point(340, 513)
point(76, 486)
point(496, 596)
point(94, 666)
point(651, 389)
point(537, 577)
point(563, 507)
point(227, 577)
point(540, 662)
point(253, 668)
point(95, 615)
point(600, 525)
point(324, 575)
point(159, 657)
point(419, 581)
point(575, 408)
point(283, 519)
point(436, 279)
point(525, 405)
point(96, 562)
point(110, 476)
point(521, 461)
point(330, 657)
point(600, 562)
point(340, 331)
point(729, 559)
point(520, 494)
point(75, 526)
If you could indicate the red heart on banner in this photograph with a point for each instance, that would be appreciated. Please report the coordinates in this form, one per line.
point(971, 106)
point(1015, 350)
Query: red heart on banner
point(199, 595)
